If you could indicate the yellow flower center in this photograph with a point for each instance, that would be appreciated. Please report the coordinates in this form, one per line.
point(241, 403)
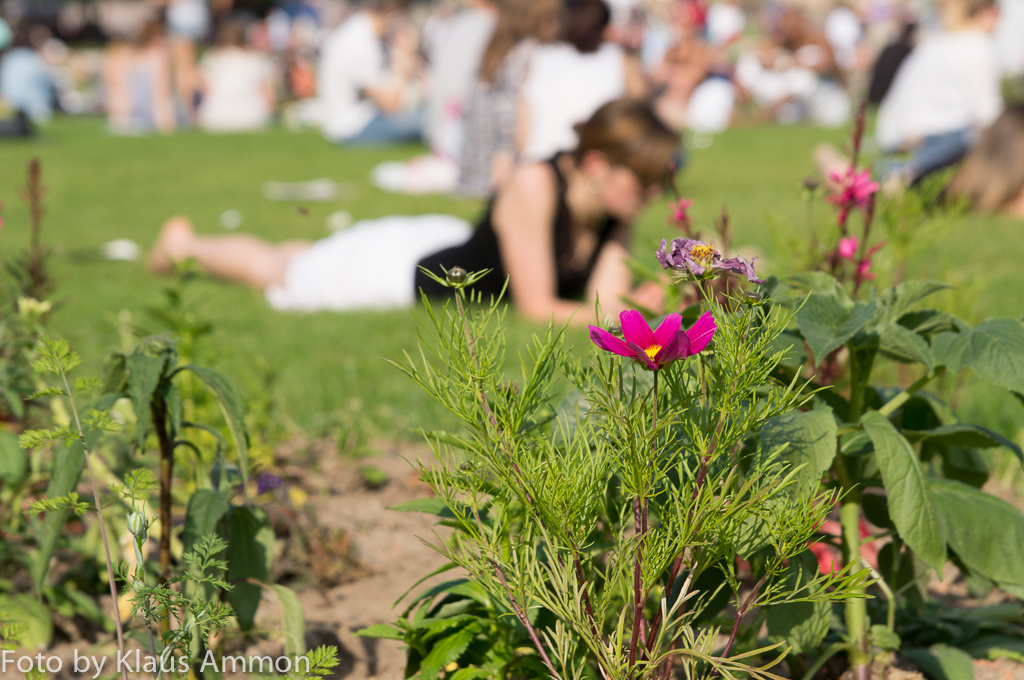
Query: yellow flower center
point(703, 255)
point(652, 351)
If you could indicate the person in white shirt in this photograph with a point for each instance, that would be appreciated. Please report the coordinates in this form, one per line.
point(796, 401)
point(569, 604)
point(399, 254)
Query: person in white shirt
point(237, 84)
point(1009, 37)
point(455, 63)
point(568, 81)
point(362, 95)
point(944, 94)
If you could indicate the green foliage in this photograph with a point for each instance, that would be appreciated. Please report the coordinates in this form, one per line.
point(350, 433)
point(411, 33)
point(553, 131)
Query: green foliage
point(911, 508)
point(598, 508)
point(910, 442)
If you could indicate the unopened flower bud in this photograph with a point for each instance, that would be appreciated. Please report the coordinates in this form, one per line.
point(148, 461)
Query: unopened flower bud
point(457, 275)
point(811, 183)
point(137, 525)
point(466, 467)
point(752, 298)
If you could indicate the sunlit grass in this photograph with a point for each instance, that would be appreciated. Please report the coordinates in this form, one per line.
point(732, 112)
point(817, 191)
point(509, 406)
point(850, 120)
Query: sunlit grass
point(329, 365)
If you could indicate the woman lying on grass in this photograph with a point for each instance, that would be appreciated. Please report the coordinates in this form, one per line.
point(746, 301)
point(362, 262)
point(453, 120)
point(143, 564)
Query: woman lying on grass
point(558, 230)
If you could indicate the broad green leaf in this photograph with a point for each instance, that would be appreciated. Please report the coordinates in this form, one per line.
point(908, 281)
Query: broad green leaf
point(899, 343)
point(446, 651)
point(995, 350)
point(808, 438)
point(994, 647)
point(910, 504)
point(966, 435)
point(175, 409)
point(462, 587)
point(818, 282)
point(384, 631)
point(986, 532)
point(27, 610)
point(205, 510)
point(898, 300)
point(963, 465)
point(792, 345)
point(885, 638)
point(233, 408)
point(801, 624)
point(826, 323)
point(752, 534)
point(294, 620)
point(942, 662)
point(473, 591)
point(250, 551)
point(144, 372)
point(13, 461)
point(68, 463)
point(471, 674)
point(929, 322)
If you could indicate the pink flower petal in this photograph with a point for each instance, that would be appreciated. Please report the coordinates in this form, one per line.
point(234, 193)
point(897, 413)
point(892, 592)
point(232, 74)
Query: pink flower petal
point(668, 329)
point(700, 333)
point(642, 357)
point(676, 348)
point(848, 247)
point(609, 342)
point(635, 329)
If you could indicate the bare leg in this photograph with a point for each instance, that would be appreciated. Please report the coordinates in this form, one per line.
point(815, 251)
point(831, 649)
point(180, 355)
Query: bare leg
point(246, 259)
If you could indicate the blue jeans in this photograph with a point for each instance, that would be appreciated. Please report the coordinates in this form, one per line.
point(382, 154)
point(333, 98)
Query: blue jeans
point(935, 152)
point(402, 127)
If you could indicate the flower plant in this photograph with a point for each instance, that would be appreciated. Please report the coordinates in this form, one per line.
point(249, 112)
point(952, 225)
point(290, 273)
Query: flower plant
point(604, 520)
point(908, 471)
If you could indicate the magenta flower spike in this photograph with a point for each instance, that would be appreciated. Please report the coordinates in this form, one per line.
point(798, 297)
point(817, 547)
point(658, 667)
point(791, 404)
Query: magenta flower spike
point(656, 349)
point(856, 190)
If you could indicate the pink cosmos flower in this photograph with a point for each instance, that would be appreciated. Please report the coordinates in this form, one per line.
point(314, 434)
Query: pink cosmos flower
point(856, 190)
point(848, 248)
point(658, 348)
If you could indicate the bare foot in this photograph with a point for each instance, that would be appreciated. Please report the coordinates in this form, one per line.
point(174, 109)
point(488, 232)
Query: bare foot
point(172, 245)
point(830, 162)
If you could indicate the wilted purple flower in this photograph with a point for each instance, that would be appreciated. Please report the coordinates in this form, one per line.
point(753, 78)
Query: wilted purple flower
point(267, 482)
point(700, 259)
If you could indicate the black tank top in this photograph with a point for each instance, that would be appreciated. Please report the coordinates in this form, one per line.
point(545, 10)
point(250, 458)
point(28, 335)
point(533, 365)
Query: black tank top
point(483, 251)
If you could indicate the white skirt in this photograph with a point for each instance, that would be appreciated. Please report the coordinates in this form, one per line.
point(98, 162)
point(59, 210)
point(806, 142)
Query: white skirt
point(371, 265)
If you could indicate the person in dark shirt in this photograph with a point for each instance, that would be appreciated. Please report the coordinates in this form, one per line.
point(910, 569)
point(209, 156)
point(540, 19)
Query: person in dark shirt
point(558, 230)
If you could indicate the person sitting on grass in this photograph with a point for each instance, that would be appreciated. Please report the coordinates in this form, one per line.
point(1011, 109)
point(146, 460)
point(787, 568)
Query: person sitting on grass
point(559, 230)
point(362, 81)
point(992, 176)
point(943, 95)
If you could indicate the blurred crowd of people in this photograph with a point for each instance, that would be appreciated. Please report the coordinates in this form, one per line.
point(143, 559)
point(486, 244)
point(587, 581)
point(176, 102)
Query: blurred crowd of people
point(487, 83)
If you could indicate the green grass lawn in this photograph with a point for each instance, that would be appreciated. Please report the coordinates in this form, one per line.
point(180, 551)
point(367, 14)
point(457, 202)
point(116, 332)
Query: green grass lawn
point(329, 366)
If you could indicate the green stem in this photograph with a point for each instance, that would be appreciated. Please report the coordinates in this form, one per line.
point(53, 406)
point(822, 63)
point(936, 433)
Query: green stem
point(822, 660)
point(903, 397)
point(890, 599)
point(856, 607)
point(118, 626)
